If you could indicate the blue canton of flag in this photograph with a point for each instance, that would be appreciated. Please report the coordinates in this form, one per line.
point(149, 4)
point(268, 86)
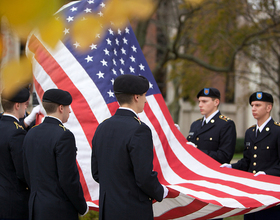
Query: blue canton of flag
point(117, 52)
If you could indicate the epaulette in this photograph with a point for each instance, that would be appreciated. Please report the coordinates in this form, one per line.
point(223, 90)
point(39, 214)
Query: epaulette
point(252, 126)
point(277, 123)
point(34, 126)
point(63, 127)
point(18, 125)
point(200, 119)
point(138, 120)
point(225, 118)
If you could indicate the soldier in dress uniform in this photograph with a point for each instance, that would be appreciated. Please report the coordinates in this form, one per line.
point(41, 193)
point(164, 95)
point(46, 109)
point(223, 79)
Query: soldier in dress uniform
point(122, 157)
point(214, 133)
point(50, 163)
point(261, 154)
point(14, 192)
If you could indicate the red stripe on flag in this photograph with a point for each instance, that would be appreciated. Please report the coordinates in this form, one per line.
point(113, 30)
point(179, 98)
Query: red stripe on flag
point(178, 212)
point(86, 118)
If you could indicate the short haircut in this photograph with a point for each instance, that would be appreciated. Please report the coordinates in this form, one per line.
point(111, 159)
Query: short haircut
point(124, 98)
point(50, 107)
point(7, 105)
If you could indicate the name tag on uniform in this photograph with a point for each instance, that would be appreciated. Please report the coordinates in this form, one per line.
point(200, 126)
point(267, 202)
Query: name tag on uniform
point(191, 133)
point(248, 144)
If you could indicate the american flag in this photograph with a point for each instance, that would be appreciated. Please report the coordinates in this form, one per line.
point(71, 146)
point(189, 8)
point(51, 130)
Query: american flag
point(198, 187)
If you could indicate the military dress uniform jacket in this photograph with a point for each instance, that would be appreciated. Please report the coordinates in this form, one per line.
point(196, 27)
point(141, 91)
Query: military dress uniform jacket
point(51, 172)
point(217, 138)
point(13, 188)
point(261, 153)
point(122, 163)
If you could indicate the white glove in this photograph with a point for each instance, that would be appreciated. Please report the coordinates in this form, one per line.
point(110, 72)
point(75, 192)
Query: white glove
point(177, 126)
point(260, 173)
point(191, 143)
point(32, 116)
point(227, 165)
point(165, 191)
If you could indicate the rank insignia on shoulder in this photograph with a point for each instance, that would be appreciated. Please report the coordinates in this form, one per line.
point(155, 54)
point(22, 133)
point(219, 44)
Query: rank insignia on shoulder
point(224, 118)
point(138, 120)
point(63, 127)
point(252, 127)
point(18, 125)
point(277, 123)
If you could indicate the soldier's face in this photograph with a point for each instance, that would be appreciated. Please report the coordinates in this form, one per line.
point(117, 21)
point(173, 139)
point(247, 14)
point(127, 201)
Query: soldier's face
point(66, 112)
point(22, 108)
point(260, 109)
point(207, 105)
point(141, 102)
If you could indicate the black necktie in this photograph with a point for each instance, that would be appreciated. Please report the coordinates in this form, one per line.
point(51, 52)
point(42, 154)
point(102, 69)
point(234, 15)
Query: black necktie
point(203, 123)
point(258, 133)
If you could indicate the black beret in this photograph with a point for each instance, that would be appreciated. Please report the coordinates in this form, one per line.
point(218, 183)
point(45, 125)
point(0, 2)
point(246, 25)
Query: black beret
point(261, 96)
point(209, 92)
point(20, 96)
point(131, 84)
point(57, 96)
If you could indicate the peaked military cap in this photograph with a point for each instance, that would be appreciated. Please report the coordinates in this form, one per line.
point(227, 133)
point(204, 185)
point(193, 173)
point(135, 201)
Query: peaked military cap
point(57, 96)
point(209, 92)
point(20, 96)
point(261, 96)
point(131, 84)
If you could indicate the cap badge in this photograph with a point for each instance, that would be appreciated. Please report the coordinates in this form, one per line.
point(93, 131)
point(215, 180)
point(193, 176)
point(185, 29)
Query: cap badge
point(206, 91)
point(259, 95)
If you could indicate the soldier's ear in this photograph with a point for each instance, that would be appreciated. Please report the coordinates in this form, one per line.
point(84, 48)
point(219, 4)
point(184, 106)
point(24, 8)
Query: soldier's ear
point(216, 102)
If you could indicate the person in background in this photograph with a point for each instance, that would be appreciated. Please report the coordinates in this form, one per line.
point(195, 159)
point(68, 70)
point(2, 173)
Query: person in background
point(214, 133)
point(261, 153)
point(14, 192)
point(50, 163)
point(122, 156)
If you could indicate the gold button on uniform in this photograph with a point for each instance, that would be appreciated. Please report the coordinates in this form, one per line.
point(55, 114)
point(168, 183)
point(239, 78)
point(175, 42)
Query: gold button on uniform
point(255, 155)
point(210, 139)
point(197, 138)
point(254, 164)
point(267, 147)
point(255, 147)
point(254, 171)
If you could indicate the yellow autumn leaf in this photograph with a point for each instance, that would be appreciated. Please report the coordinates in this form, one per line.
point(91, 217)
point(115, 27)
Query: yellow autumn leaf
point(25, 15)
point(139, 9)
point(116, 12)
point(1, 47)
point(51, 31)
point(16, 74)
point(86, 30)
point(120, 11)
point(194, 1)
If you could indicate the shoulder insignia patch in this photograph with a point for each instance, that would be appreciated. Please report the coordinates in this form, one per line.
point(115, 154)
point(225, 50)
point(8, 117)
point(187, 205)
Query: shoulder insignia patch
point(225, 118)
point(63, 127)
point(277, 123)
point(18, 125)
point(138, 120)
point(252, 126)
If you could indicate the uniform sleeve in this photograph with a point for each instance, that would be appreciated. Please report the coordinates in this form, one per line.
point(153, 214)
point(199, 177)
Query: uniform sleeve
point(94, 164)
point(141, 154)
point(275, 169)
point(68, 172)
point(17, 152)
point(227, 141)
